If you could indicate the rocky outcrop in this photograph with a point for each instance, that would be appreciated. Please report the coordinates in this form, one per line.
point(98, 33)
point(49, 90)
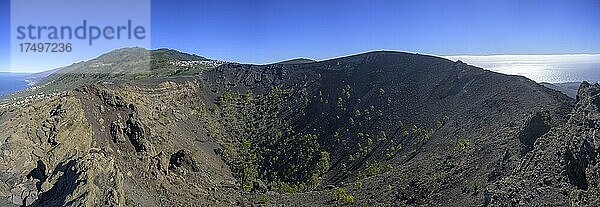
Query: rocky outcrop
point(137, 134)
point(111, 99)
point(117, 130)
point(581, 157)
point(183, 159)
point(563, 166)
point(38, 139)
point(536, 126)
point(48, 130)
point(90, 181)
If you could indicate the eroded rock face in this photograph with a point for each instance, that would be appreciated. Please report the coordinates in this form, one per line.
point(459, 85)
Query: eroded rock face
point(183, 159)
point(563, 167)
point(137, 134)
point(90, 181)
point(30, 156)
point(111, 99)
point(582, 159)
point(49, 128)
point(117, 132)
point(537, 125)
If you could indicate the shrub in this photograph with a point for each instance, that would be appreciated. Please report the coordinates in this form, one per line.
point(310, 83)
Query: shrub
point(226, 99)
point(324, 162)
point(357, 113)
point(374, 169)
point(341, 196)
point(283, 187)
point(462, 144)
point(358, 185)
point(264, 199)
point(382, 136)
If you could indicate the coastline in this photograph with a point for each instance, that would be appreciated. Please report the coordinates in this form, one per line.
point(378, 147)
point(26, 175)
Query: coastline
point(13, 82)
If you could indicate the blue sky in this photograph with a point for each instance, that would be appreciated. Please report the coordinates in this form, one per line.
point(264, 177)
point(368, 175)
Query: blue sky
point(4, 34)
point(253, 31)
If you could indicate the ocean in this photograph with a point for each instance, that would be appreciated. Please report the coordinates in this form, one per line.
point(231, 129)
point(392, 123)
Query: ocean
point(12, 82)
point(540, 68)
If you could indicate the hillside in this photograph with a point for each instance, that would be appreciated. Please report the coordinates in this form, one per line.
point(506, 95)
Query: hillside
point(570, 89)
point(118, 66)
point(380, 128)
point(297, 61)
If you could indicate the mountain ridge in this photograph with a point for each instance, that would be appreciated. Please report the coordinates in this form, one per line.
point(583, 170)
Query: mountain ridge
point(380, 128)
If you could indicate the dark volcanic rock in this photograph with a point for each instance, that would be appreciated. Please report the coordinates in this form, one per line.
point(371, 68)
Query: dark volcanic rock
point(117, 132)
point(383, 128)
point(563, 167)
point(259, 186)
point(536, 126)
point(185, 159)
point(137, 134)
point(111, 99)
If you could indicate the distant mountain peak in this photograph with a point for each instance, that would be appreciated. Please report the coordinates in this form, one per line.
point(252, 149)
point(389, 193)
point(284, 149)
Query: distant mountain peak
point(124, 64)
point(172, 54)
point(297, 61)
